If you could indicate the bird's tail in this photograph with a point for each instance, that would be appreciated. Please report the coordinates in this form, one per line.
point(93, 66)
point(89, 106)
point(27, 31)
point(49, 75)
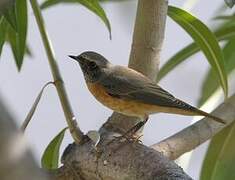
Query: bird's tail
point(203, 113)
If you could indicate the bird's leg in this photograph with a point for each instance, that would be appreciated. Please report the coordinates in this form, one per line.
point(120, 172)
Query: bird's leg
point(136, 128)
point(129, 134)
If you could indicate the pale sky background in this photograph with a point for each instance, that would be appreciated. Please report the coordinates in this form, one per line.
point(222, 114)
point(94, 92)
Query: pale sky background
point(73, 29)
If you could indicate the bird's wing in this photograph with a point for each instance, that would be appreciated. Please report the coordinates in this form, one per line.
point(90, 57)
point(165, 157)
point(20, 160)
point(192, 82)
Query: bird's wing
point(135, 86)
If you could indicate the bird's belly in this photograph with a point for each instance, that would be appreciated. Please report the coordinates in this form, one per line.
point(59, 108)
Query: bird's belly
point(127, 107)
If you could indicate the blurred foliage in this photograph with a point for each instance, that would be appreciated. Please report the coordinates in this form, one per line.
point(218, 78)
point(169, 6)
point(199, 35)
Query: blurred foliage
point(230, 3)
point(219, 162)
point(210, 84)
point(205, 39)
point(220, 158)
point(13, 28)
point(50, 3)
point(223, 32)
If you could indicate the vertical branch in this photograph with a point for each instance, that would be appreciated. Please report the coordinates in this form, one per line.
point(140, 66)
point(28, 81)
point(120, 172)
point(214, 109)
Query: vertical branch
point(146, 48)
point(148, 37)
point(70, 118)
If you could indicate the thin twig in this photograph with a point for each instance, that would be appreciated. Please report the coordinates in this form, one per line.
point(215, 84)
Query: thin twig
point(33, 108)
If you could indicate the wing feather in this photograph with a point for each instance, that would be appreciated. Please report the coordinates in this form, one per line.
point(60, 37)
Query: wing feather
point(131, 85)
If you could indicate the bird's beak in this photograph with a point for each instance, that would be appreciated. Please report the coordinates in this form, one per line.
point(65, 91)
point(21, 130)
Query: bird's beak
point(73, 57)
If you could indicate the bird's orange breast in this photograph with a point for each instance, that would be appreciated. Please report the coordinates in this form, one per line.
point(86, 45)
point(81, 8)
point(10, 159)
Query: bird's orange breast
point(127, 107)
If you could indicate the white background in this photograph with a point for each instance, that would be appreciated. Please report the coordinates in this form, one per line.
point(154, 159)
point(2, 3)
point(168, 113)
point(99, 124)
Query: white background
point(73, 29)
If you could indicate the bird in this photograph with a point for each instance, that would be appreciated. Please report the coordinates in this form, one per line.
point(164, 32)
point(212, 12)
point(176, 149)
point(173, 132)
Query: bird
point(128, 91)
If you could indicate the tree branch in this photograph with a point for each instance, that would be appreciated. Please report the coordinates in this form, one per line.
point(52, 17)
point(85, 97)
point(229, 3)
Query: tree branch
point(145, 52)
point(114, 161)
point(196, 134)
point(16, 161)
point(70, 118)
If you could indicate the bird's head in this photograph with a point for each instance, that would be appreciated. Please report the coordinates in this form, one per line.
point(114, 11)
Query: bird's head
point(92, 65)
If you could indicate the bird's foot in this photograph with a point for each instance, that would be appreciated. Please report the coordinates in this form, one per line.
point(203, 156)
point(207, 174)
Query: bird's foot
point(129, 135)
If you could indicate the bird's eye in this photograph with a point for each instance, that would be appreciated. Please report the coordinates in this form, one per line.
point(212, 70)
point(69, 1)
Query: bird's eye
point(92, 65)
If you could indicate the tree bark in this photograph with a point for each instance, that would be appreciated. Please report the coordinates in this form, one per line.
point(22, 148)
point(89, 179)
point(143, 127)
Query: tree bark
point(117, 161)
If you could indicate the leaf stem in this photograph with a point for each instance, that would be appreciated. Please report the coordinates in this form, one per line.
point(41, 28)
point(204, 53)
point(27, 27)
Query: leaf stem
point(71, 121)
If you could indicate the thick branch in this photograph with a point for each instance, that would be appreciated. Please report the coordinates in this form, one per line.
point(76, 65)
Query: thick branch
point(146, 47)
point(117, 161)
point(196, 134)
point(16, 161)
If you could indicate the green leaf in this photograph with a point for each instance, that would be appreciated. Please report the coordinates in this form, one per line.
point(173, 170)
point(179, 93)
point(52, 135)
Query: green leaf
point(178, 58)
point(17, 38)
point(92, 5)
point(4, 5)
point(219, 161)
point(210, 85)
point(225, 17)
point(3, 29)
point(223, 33)
point(10, 16)
point(50, 157)
point(205, 40)
point(230, 3)
point(22, 22)
point(50, 3)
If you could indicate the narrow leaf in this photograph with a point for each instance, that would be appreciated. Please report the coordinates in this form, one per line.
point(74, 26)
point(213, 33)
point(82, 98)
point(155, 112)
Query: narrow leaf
point(3, 29)
point(50, 3)
point(10, 16)
point(219, 161)
point(22, 21)
point(17, 38)
point(50, 157)
point(230, 3)
point(205, 40)
point(225, 17)
point(11, 37)
point(177, 59)
point(210, 85)
point(33, 108)
point(92, 5)
point(223, 33)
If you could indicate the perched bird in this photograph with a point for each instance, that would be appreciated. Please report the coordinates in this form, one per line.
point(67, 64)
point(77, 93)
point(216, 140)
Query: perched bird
point(129, 92)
